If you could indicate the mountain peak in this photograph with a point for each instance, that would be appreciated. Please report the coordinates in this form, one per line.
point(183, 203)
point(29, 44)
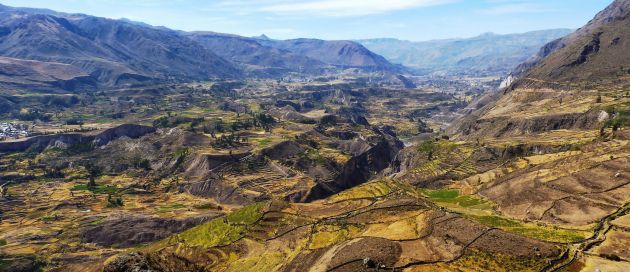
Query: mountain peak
point(262, 37)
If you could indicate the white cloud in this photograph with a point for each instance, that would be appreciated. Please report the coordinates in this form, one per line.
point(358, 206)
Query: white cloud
point(343, 8)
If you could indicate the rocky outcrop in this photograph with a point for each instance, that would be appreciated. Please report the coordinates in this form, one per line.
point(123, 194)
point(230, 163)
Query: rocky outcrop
point(358, 169)
point(127, 130)
point(21, 263)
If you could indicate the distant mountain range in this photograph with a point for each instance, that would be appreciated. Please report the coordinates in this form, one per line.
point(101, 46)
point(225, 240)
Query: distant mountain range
point(48, 50)
point(38, 45)
point(487, 54)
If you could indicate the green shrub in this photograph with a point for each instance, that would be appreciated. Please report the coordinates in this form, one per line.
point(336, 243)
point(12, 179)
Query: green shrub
point(428, 147)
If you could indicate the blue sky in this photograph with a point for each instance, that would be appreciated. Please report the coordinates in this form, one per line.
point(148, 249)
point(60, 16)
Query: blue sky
point(415, 20)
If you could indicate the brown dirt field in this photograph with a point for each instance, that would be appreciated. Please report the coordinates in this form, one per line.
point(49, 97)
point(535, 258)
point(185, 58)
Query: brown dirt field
point(617, 243)
point(496, 241)
point(350, 255)
point(327, 210)
point(430, 250)
point(623, 221)
point(575, 191)
point(304, 260)
point(577, 211)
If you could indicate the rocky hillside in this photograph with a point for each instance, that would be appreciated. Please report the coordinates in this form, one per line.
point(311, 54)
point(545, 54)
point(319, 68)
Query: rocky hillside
point(578, 82)
point(596, 52)
point(490, 54)
point(42, 75)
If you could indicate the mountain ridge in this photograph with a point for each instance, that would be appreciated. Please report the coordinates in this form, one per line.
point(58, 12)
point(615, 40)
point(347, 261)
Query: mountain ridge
point(578, 82)
point(112, 52)
point(122, 52)
point(596, 51)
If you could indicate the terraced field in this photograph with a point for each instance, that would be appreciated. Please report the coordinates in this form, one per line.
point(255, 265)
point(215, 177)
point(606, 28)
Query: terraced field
point(397, 212)
point(341, 234)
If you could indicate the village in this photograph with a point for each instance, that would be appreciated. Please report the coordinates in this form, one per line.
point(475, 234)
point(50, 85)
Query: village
point(11, 130)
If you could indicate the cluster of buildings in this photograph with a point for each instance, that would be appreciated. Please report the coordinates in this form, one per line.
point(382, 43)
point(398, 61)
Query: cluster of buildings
point(9, 130)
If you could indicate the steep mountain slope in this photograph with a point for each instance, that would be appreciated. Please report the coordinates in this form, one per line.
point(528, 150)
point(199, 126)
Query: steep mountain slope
point(343, 54)
point(582, 83)
point(564, 121)
point(489, 53)
point(596, 52)
point(256, 58)
point(37, 74)
point(110, 51)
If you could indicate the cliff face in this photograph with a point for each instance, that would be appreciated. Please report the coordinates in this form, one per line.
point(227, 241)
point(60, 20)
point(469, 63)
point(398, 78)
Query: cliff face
point(358, 169)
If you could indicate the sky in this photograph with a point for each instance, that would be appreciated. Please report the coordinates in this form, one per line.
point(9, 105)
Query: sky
point(415, 20)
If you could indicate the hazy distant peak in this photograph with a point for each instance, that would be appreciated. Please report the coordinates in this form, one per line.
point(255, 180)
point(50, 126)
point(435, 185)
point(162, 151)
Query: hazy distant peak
point(262, 37)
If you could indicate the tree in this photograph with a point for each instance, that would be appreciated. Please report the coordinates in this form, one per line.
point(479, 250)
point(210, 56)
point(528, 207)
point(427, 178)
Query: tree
point(428, 147)
point(93, 172)
point(266, 121)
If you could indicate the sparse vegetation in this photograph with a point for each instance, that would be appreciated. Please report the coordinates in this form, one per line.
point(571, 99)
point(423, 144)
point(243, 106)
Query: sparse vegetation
point(96, 188)
point(545, 233)
point(172, 207)
point(481, 261)
point(224, 230)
